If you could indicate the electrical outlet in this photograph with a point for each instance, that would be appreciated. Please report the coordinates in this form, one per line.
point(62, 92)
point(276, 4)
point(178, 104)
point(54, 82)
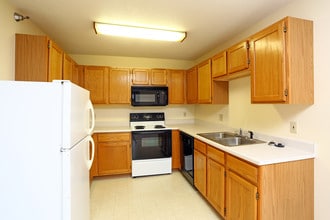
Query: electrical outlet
point(220, 117)
point(293, 127)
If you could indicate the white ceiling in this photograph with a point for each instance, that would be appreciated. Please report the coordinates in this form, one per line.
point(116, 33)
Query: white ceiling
point(208, 23)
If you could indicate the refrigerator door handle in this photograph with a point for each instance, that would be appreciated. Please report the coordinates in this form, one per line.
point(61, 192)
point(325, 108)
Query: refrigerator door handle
point(90, 161)
point(92, 118)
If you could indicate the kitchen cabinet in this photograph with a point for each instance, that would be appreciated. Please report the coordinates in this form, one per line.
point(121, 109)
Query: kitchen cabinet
point(96, 80)
point(204, 77)
point(282, 63)
point(176, 149)
point(37, 58)
point(140, 76)
point(149, 77)
point(241, 190)
point(191, 82)
point(215, 189)
point(176, 86)
point(275, 191)
point(119, 88)
point(114, 153)
point(200, 166)
point(158, 77)
point(238, 60)
point(219, 65)
point(94, 169)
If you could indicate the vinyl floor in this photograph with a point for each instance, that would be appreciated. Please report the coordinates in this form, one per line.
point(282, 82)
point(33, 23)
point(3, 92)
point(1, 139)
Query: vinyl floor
point(160, 197)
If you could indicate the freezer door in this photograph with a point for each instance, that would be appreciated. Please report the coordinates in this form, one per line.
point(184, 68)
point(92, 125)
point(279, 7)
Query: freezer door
point(76, 164)
point(78, 114)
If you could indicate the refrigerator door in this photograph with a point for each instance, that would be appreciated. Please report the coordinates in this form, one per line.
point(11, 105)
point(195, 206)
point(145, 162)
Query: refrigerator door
point(78, 114)
point(31, 160)
point(76, 164)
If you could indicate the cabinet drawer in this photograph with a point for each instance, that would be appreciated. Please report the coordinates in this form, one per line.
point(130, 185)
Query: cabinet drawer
point(106, 137)
point(200, 146)
point(215, 154)
point(243, 168)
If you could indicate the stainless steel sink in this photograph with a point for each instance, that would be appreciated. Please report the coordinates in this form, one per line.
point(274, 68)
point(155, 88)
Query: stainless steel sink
point(230, 139)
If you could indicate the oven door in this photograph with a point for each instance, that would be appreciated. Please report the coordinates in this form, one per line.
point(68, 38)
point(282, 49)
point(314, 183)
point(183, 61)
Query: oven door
point(151, 144)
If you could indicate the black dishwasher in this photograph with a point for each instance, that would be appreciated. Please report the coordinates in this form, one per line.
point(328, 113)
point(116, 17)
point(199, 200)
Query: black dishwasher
point(187, 158)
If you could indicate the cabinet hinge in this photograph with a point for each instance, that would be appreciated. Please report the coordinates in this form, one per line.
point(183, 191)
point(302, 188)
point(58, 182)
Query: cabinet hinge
point(248, 61)
point(285, 29)
point(225, 211)
point(48, 44)
point(225, 173)
point(257, 196)
point(286, 92)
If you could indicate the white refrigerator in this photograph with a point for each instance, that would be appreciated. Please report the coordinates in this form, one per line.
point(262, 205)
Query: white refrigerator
point(46, 150)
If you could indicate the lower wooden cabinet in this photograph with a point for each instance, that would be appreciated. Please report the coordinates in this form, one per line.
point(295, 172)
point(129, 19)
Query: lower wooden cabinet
point(114, 153)
point(200, 166)
point(215, 172)
point(176, 150)
point(239, 190)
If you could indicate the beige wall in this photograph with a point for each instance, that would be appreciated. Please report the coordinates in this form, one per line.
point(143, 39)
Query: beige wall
point(7, 38)
point(313, 122)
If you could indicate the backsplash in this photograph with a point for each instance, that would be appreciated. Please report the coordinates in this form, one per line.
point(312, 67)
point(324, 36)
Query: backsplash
point(118, 115)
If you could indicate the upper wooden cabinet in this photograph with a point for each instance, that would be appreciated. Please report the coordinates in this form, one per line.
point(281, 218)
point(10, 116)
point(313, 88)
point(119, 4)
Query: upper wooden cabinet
point(282, 63)
point(191, 85)
point(37, 58)
point(140, 76)
point(158, 77)
point(204, 82)
point(219, 64)
point(176, 86)
point(96, 80)
point(238, 57)
point(149, 77)
point(119, 86)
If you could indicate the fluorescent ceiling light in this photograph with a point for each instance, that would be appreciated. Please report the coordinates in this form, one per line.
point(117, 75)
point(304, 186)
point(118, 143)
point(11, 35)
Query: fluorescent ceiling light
point(138, 32)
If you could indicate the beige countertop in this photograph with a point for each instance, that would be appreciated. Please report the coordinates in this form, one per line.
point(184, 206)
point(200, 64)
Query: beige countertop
point(258, 154)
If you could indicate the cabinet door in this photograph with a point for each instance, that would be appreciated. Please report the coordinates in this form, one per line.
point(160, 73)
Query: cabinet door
point(204, 82)
point(176, 86)
point(238, 57)
point(119, 91)
point(158, 77)
point(191, 82)
point(176, 151)
point(31, 58)
point(216, 185)
point(268, 77)
point(55, 65)
point(68, 67)
point(241, 201)
point(114, 153)
point(219, 65)
point(96, 80)
point(140, 77)
point(200, 172)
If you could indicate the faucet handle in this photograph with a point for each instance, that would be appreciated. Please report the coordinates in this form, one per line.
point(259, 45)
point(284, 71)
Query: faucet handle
point(251, 134)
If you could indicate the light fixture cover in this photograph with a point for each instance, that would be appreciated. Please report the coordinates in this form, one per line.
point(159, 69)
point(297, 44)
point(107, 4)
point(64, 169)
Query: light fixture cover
point(138, 32)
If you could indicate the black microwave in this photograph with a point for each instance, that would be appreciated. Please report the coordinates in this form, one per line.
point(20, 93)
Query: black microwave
point(149, 96)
